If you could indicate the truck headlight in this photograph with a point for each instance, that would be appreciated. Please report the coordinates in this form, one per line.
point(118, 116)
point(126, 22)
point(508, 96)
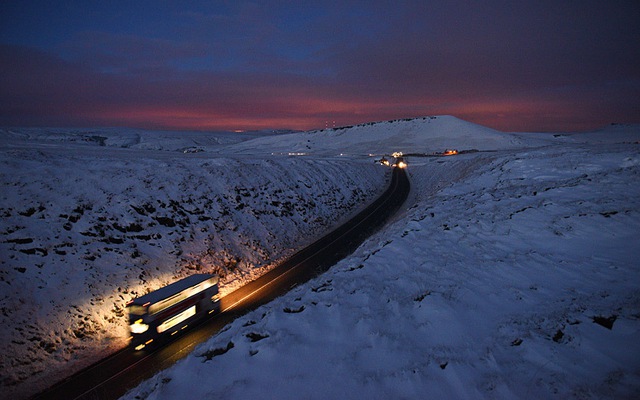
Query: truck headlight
point(138, 327)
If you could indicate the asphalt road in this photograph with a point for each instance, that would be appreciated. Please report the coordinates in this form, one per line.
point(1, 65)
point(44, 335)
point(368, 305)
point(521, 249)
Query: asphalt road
point(113, 376)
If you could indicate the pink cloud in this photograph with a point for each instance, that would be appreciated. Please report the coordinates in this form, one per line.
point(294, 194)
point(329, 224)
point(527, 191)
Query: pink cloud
point(41, 89)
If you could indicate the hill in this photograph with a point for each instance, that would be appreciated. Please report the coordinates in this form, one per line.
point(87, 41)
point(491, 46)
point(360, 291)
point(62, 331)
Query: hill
point(426, 135)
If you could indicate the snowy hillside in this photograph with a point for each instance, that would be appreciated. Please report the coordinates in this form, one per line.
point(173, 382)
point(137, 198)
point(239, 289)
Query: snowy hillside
point(511, 274)
point(420, 135)
point(614, 133)
point(487, 285)
point(93, 218)
point(187, 141)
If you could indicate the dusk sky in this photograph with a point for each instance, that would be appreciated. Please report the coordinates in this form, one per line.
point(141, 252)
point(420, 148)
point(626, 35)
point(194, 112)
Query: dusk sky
point(226, 65)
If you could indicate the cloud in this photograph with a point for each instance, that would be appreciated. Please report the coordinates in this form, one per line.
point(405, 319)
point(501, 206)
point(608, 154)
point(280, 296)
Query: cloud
point(129, 54)
point(37, 87)
point(538, 66)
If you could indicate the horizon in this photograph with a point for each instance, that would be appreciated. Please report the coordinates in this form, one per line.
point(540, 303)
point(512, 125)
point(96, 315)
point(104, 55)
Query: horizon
point(543, 67)
point(288, 130)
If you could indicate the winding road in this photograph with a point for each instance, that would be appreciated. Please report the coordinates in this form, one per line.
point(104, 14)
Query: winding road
point(111, 377)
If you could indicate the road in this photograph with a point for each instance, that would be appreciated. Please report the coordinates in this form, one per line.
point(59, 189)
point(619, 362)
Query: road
point(111, 377)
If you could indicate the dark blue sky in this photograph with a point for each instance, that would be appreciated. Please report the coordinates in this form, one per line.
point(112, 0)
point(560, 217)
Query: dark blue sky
point(511, 65)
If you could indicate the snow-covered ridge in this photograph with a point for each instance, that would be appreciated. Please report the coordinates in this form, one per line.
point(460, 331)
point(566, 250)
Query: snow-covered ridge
point(424, 135)
point(613, 133)
point(185, 141)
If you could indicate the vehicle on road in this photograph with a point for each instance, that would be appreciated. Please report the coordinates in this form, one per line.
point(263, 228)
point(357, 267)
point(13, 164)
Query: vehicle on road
point(168, 310)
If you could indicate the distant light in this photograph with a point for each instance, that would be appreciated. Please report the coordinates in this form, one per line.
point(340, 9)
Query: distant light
point(239, 131)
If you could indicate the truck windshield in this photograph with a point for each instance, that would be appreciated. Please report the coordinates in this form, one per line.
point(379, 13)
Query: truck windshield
point(137, 310)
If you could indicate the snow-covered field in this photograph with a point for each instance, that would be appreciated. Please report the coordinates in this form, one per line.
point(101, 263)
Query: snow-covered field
point(510, 273)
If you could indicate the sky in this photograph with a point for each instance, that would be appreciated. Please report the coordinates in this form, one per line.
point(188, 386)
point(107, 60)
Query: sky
point(240, 65)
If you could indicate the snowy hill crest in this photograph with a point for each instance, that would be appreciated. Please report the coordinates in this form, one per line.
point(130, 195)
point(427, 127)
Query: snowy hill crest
point(427, 135)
